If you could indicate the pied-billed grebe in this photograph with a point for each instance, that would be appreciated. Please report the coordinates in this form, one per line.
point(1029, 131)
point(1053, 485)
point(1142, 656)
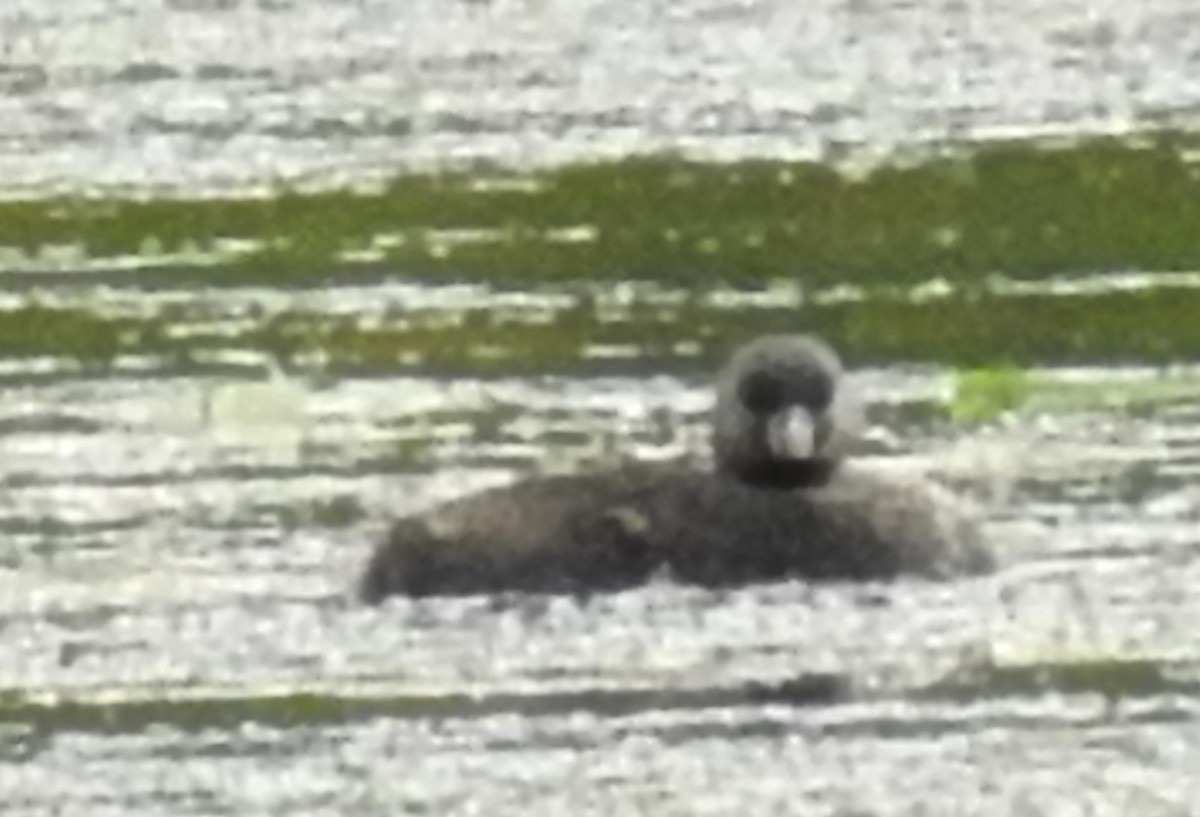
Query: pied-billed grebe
point(780, 502)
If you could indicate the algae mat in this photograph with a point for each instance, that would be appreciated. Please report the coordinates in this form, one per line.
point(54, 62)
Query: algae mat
point(1020, 252)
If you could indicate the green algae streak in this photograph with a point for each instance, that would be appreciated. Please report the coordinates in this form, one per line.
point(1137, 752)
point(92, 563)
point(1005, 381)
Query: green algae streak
point(1026, 211)
point(1143, 326)
point(1022, 208)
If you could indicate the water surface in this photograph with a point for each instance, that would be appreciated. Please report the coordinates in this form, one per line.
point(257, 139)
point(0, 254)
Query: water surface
point(204, 93)
point(215, 393)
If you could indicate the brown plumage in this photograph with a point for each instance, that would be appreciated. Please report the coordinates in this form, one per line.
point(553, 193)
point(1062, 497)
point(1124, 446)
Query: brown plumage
point(780, 503)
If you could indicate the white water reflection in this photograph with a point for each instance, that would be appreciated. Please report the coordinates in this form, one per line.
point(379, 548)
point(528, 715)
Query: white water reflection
point(199, 95)
point(144, 561)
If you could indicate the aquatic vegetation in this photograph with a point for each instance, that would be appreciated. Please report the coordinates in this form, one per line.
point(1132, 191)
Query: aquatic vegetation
point(190, 710)
point(997, 333)
point(983, 394)
point(74, 333)
point(1023, 208)
point(1112, 676)
point(1030, 211)
point(214, 711)
point(975, 256)
point(337, 512)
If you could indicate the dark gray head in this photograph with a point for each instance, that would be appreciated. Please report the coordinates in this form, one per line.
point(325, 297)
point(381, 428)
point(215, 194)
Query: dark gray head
point(776, 421)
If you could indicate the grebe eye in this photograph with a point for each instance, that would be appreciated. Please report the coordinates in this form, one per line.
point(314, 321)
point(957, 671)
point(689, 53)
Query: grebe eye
point(820, 393)
point(762, 393)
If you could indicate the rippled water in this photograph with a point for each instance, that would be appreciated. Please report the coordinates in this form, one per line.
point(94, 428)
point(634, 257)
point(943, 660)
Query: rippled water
point(213, 92)
point(183, 514)
point(184, 538)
